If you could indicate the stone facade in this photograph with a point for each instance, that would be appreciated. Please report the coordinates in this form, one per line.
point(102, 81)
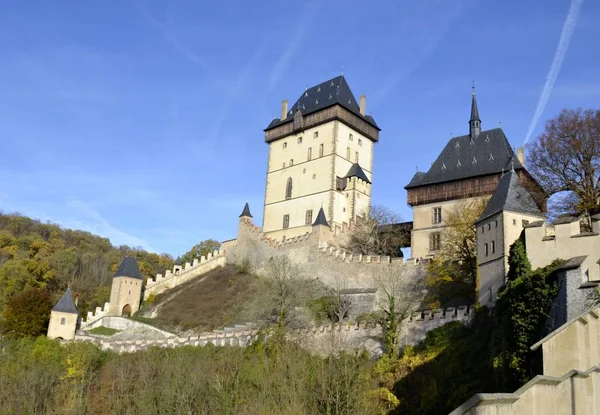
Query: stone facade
point(125, 295)
point(62, 325)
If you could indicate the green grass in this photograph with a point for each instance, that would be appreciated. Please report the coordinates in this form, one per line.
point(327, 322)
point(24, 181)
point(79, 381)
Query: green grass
point(104, 331)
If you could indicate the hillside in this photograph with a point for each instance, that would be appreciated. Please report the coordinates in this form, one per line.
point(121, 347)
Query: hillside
point(45, 255)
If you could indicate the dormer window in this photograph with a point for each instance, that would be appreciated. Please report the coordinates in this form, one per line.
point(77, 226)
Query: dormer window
point(457, 145)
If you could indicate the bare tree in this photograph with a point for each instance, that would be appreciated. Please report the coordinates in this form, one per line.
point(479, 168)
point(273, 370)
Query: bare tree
point(565, 159)
point(400, 292)
point(378, 231)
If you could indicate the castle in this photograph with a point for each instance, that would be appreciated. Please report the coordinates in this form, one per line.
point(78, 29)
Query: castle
point(319, 182)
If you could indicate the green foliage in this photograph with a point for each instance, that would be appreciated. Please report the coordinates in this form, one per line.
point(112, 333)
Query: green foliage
point(27, 313)
point(244, 266)
point(200, 250)
point(323, 308)
point(104, 331)
point(518, 262)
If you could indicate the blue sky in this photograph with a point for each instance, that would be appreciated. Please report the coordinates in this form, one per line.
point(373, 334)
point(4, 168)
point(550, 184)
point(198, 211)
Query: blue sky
point(142, 121)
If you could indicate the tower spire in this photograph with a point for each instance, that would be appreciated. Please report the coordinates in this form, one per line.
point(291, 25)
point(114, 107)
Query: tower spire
point(475, 121)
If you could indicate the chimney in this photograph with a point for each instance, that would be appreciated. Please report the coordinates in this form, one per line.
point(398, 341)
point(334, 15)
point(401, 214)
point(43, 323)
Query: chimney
point(284, 109)
point(521, 155)
point(363, 104)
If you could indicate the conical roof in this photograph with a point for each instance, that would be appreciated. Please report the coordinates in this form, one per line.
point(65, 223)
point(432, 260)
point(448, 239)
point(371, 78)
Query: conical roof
point(178, 261)
point(246, 212)
point(510, 195)
point(357, 171)
point(129, 268)
point(474, 109)
point(321, 219)
point(66, 303)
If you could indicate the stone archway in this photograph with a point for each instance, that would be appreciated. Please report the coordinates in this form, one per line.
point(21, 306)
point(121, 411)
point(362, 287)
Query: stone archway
point(126, 311)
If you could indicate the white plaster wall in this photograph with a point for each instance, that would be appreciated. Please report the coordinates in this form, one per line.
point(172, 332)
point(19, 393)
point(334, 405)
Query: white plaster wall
point(64, 331)
point(125, 290)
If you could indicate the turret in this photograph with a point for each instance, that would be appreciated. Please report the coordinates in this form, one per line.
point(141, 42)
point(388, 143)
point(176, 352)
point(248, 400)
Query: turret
point(474, 122)
point(177, 266)
point(64, 318)
point(126, 291)
point(321, 229)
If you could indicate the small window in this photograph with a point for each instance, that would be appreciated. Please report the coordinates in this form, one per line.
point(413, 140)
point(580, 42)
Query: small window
point(356, 157)
point(309, 154)
point(514, 222)
point(308, 220)
point(343, 209)
point(493, 247)
point(129, 292)
point(299, 140)
point(435, 241)
point(62, 321)
point(285, 145)
point(321, 147)
point(286, 221)
point(489, 226)
point(351, 137)
point(496, 223)
point(288, 188)
point(347, 153)
point(315, 134)
point(487, 249)
point(437, 215)
point(482, 229)
point(291, 162)
point(525, 222)
point(284, 164)
point(359, 142)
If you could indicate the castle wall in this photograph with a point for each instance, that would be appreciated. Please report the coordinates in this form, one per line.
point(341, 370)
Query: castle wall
point(62, 325)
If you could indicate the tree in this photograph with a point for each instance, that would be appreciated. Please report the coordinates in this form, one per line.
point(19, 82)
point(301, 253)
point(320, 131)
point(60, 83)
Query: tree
point(27, 313)
point(199, 250)
point(518, 263)
point(378, 231)
point(565, 159)
point(453, 272)
point(399, 294)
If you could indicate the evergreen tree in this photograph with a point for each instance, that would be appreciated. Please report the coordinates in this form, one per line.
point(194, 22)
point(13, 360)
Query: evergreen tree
point(518, 262)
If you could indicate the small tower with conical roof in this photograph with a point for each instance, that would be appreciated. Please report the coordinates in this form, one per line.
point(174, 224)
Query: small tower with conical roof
point(474, 122)
point(321, 228)
point(126, 291)
point(64, 318)
point(177, 266)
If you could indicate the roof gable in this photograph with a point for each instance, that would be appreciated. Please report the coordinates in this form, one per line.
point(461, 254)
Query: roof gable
point(510, 195)
point(465, 156)
point(66, 303)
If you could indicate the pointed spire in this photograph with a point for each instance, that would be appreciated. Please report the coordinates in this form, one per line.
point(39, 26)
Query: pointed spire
point(66, 303)
point(475, 121)
point(321, 220)
point(178, 261)
point(246, 212)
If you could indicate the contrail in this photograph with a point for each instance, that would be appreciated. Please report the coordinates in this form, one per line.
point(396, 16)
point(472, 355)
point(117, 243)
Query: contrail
point(559, 56)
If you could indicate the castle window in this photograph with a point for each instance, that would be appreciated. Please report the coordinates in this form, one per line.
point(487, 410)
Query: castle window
point(288, 188)
point(291, 162)
point(347, 153)
point(286, 221)
point(482, 229)
point(62, 321)
point(299, 140)
point(315, 134)
point(308, 220)
point(321, 148)
point(351, 137)
point(285, 145)
point(359, 142)
point(437, 215)
point(489, 226)
point(486, 249)
point(525, 223)
point(435, 241)
point(309, 155)
point(356, 157)
point(496, 223)
point(514, 222)
point(493, 247)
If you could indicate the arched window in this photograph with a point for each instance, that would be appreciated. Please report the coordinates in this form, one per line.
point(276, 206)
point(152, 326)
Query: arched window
point(288, 189)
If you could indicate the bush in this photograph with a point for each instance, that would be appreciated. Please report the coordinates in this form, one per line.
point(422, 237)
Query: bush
point(27, 313)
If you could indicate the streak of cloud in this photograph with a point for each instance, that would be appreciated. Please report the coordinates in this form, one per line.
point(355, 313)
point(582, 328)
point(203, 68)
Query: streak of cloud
point(557, 61)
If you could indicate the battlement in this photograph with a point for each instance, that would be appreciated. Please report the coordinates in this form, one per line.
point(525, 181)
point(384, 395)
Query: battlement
point(177, 277)
point(345, 256)
point(246, 222)
point(96, 315)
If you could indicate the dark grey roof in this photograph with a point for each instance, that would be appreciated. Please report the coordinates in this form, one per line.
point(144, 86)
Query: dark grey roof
point(129, 268)
point(510, 195)
point(571, 263)
point(416, 180)
point(66, 303)
point(246, 212)
point(565, 219)
point(329, 93)
point(321, 220)
point(463, 157)
point(178, 261)
point(357, 171)
point(536, 224)
point(474, 109)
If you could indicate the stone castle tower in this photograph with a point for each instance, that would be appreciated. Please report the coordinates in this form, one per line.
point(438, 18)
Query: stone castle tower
point(64, 318)
point(320, 156)
point(126, 291)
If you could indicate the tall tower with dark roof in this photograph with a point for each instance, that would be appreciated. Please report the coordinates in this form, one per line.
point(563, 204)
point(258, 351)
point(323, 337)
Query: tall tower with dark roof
point(474, 122)
point(126, 290)
point(320, 155)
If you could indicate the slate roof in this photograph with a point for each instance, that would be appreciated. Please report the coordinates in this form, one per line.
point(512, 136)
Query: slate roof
point(357, 171)
point(129, 268)
point(321, 220)
point(178, 261)
point(474, 109)
point(463, 157)
point(66, 303)
point(510, 195)
point(329, 93)
point(246, 211)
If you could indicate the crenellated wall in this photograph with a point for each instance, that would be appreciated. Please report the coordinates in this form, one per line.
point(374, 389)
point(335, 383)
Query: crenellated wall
point(96, 315)
point(174, 278)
